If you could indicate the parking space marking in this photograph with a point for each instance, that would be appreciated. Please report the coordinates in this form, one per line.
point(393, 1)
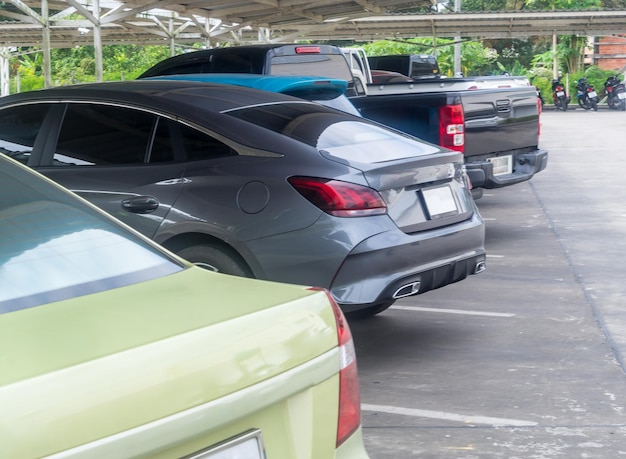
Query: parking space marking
point(500, 422)
point(454, 311)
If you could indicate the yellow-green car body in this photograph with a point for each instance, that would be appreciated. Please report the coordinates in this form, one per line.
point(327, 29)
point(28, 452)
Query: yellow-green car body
point(182, 363)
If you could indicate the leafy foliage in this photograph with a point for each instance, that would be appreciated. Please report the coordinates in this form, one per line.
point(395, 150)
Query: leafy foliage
point(77, 65)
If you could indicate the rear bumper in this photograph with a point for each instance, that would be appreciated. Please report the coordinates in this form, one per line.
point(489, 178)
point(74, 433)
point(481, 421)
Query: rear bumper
point(525, 166)
point(382, 268)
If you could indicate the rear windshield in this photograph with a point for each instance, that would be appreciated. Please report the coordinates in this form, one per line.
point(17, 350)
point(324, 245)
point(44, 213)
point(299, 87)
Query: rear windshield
point(341, 136)
point(53, 247)
point(326, 65)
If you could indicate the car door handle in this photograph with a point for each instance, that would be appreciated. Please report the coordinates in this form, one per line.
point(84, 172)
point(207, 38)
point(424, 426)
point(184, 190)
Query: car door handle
point(140, 204)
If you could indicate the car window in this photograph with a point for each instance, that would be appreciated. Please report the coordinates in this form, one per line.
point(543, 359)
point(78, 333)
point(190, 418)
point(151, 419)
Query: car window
point(55, 247)
point(99, 135)
point(199, 146)
point(330, 65)
point(235, 62)
point(18, 130)
point(341, 136)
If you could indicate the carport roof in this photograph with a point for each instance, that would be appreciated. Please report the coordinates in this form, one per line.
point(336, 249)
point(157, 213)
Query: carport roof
point(72, 22)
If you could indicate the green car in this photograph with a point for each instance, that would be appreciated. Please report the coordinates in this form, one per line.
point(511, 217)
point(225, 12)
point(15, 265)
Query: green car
point(111, 347)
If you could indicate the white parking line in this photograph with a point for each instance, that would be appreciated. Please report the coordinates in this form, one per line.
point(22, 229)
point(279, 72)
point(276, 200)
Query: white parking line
point(454, 311)
point(500, 422)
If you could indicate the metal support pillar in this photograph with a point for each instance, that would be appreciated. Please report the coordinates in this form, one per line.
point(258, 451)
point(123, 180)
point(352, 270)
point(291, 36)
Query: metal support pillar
point(4, 71)
point(97, 40)
point(457, 44)
point(47, 59)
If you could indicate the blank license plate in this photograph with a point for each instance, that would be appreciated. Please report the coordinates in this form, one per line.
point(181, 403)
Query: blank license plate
point(248, 446)
point(560, 93)
point(621, 95)
point(502, 164)
point(439, 201)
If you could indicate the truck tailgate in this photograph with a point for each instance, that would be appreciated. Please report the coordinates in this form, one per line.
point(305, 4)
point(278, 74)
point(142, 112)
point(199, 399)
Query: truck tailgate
point(498, 120)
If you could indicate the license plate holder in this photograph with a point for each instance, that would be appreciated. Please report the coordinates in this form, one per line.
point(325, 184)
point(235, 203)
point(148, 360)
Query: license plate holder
point(439, 202)
point(592, 94)
point(621, 95)
point(502, 165)
point(248, 445)
point(560, 93)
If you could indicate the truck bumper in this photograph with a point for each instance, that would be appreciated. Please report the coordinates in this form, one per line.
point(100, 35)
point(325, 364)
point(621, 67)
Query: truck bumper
point(525, 165)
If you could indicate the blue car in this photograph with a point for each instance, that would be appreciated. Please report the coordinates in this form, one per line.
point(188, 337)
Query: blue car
point(330, 92)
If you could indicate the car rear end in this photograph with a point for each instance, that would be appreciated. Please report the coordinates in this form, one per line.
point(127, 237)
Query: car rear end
point(271, 373)
point(398, 216)
point(502, 128)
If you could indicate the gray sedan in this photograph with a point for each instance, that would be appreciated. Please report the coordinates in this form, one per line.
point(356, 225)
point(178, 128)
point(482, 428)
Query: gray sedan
point(258, 184)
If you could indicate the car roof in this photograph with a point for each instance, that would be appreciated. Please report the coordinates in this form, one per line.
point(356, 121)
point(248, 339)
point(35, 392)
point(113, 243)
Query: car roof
point(179, 98)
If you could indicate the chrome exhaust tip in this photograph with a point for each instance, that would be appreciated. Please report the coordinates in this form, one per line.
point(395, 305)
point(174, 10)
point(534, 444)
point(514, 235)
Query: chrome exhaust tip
point(480, 267)
point(407, 290)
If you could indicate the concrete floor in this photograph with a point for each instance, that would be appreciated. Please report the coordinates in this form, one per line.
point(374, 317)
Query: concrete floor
point(526, 360)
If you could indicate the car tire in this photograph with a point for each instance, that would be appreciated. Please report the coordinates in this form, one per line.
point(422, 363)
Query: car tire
point(370, 311)
point(214, 257)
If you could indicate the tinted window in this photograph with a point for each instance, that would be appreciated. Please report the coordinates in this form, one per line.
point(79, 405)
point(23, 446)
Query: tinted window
point(18, 130)
point(104, 135)
point(234, 62)
point(392, 63)
point(328, 65)
point(283, 118)
point(179, 69)
point(424, 67)
point(339, 135)
point(54, 247)
point(200, 146)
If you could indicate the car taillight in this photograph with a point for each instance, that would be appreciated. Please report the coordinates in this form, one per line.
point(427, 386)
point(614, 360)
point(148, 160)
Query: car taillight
point(349, 393)
point(340, 199)
point(452, 127)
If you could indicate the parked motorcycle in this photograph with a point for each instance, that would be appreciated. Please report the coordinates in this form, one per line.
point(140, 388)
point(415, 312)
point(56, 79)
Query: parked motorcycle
point(561, 100)
point(615, 93)
point(587, 96)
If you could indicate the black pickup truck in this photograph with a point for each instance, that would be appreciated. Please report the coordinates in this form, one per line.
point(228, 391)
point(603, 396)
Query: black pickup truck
point(497, 129)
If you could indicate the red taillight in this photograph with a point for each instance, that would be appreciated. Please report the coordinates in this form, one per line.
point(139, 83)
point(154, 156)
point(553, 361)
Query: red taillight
point(308, 50)
point(452, 127)
point(349, 393)
point(340, 199)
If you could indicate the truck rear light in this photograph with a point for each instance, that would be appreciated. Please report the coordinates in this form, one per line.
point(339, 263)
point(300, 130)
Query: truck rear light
point(308, 50)
point(452, 127)
point(349, 393)
point(340, 199)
